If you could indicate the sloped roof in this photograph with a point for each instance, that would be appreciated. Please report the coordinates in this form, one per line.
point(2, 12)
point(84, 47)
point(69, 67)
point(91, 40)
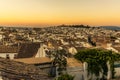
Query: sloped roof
point(72, 62)
point(17, 71)
point(8, 49)
point(34, 60)
point(28, 50)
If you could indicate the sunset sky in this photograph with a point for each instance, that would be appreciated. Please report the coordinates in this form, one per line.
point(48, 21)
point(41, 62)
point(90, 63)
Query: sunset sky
point(56, 12)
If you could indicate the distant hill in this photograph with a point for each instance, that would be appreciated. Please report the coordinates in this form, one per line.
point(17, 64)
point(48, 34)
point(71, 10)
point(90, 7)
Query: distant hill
point(75, 26)
point(111, 27)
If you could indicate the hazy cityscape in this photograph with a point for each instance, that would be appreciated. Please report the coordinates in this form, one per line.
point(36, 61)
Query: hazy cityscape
point(59, 40)
point(29, 53)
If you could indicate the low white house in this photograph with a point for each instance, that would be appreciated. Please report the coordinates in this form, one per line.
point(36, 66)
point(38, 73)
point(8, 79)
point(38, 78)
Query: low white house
point(8, 52)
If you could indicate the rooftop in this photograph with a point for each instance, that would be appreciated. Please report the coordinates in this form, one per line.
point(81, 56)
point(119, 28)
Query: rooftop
point(34, 60)
point(16, 71)
point(72, 62)
point(8, 49)
point(28, 50)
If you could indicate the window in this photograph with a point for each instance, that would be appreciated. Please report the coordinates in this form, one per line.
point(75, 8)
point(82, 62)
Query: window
point(7, 56)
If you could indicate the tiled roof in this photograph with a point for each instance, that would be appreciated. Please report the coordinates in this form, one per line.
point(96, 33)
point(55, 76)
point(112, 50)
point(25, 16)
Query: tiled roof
point(34, 60)
point(8, 49)
point(13, 70)
point(28, 50)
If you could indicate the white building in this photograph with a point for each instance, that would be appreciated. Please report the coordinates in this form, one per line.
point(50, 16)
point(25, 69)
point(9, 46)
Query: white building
point(8, 52)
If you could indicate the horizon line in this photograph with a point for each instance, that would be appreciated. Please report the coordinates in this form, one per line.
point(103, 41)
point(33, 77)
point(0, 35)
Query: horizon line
point(40, 26)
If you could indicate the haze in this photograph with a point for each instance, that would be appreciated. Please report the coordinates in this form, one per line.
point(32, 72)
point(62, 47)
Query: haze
point(56, 12)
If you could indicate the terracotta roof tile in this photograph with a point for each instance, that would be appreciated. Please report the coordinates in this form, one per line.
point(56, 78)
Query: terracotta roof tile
point(17, 71)
point(28, 50)
point(34, 60)
point(8, 49)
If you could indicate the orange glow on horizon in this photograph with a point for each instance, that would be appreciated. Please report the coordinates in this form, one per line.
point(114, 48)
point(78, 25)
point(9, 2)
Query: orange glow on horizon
point(56, 12)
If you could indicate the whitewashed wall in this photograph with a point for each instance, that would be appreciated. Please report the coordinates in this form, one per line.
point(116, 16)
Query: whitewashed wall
point(11, 55)
point(77, 72)
point(41, 52)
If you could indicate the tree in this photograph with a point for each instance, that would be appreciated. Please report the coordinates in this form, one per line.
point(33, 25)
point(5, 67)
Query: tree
point(59, 60)
point(97, 61)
